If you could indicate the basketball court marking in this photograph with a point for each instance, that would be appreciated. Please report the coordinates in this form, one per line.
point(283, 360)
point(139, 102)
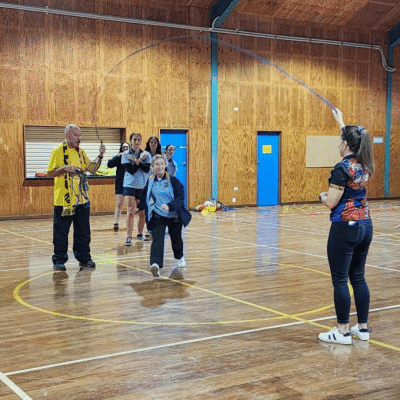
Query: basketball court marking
point(16, 294)
point(186, 342)
point(16, 389)
point(279, 313)
point(287, 250)
point(319, 231)
point(301, 321)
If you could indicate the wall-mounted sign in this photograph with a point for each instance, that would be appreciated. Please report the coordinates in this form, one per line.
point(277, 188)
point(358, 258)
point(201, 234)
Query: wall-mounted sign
point(378, 139)
point(267, 149)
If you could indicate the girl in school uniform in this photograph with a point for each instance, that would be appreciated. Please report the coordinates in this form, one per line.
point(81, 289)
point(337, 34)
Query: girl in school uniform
point(119, 183)
point(137, 166)
point(163, 201)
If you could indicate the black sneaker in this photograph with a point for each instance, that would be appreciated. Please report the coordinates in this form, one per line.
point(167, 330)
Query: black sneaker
point(89, 265)
point(116, 227)
point(59, 267)
point(142, 238)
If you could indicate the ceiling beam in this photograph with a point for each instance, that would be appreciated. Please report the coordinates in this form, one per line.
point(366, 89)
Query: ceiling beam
point(394, 36)
point(220, 11)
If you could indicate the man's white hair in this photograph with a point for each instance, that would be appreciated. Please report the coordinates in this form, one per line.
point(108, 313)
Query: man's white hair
point(70, 127)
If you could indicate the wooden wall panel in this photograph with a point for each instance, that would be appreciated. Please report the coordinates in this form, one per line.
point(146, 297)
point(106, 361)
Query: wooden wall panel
point(63, 97)
point(86, 98)
point(11, 106)
point(199, 168)
point(54, 69)
point(10, 42)
point(39, 103)
point(351, 79)
point(395, 132)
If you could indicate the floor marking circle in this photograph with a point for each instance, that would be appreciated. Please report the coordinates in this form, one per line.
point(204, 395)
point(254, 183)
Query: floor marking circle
point(279, 314)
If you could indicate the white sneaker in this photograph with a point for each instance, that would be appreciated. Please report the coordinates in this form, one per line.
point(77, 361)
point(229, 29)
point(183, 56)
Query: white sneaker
point(362, 334)
point(128, 241)
point(334, 336)
point(182, 263)
point(155, 270)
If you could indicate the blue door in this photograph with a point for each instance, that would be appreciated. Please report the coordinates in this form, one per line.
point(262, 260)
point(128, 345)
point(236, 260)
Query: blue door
point(268, 168)
point(178, 139)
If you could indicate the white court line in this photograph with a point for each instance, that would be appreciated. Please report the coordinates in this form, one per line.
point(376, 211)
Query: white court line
point(322, 232)
point(288, 250)
point(184, 342)
point(22, 395)
point(118, 259)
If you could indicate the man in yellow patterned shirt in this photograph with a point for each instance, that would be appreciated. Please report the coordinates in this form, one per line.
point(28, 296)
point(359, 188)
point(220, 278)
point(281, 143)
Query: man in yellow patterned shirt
point(68, 166)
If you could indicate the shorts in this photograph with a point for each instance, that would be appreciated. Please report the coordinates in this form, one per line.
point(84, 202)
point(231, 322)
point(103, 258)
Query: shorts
point(119, 189)
point(132, 192)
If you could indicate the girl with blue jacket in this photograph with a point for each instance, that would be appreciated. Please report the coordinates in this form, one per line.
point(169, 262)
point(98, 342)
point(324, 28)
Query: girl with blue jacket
point(163, 201)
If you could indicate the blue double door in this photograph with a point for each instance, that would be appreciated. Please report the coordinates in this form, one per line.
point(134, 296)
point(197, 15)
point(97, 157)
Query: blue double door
point(178, 138)
point(268, 168)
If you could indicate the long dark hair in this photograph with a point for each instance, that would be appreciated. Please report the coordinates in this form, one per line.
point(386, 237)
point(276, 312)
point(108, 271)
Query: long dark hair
point(359, 142)
point(120, 147)
point(158, 149)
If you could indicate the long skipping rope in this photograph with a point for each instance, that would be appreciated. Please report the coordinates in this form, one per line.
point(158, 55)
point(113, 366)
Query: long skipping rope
point(221, 41)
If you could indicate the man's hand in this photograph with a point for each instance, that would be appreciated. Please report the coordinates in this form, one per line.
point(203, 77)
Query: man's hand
point(72, 169)
point(144, 155)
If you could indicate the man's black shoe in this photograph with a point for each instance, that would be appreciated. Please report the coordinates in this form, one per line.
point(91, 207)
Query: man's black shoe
point(59, 267)
point(89, 265)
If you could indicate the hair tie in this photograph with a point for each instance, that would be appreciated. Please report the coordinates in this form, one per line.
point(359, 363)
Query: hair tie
point(359, 129)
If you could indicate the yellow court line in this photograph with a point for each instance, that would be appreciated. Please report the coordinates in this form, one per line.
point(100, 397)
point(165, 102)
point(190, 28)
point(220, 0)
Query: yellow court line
point(279, 313)
point(24, 236)
point(387, 234)
point(16, 294)
point(386, 345)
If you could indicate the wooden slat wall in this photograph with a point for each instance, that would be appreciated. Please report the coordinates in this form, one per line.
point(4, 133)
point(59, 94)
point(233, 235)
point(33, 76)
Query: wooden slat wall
point(53, 67)
point(394, 146)
point(352, 79)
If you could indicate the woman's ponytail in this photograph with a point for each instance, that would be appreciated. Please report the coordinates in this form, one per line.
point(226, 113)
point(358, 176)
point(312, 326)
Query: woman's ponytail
point(359, 142)
point(365, 154)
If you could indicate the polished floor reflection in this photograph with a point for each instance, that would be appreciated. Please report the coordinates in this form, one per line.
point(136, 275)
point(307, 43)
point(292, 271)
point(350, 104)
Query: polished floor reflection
point(241, 321)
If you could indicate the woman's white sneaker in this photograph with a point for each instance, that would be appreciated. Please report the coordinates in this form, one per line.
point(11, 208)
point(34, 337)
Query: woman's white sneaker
point(334, 336)
point(182, 263)
point(362, 334)
point(155, 270)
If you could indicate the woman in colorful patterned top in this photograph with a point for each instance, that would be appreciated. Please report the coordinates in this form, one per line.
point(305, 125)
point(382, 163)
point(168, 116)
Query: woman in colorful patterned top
point(351, 230)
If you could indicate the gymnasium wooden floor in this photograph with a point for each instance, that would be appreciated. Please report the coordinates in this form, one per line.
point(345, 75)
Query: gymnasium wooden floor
point(240, 323)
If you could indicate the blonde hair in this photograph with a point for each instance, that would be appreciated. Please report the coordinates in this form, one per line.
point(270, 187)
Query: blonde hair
point(159, 157)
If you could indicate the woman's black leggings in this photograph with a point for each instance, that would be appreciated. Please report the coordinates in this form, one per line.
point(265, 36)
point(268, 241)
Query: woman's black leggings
point(348, 245)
